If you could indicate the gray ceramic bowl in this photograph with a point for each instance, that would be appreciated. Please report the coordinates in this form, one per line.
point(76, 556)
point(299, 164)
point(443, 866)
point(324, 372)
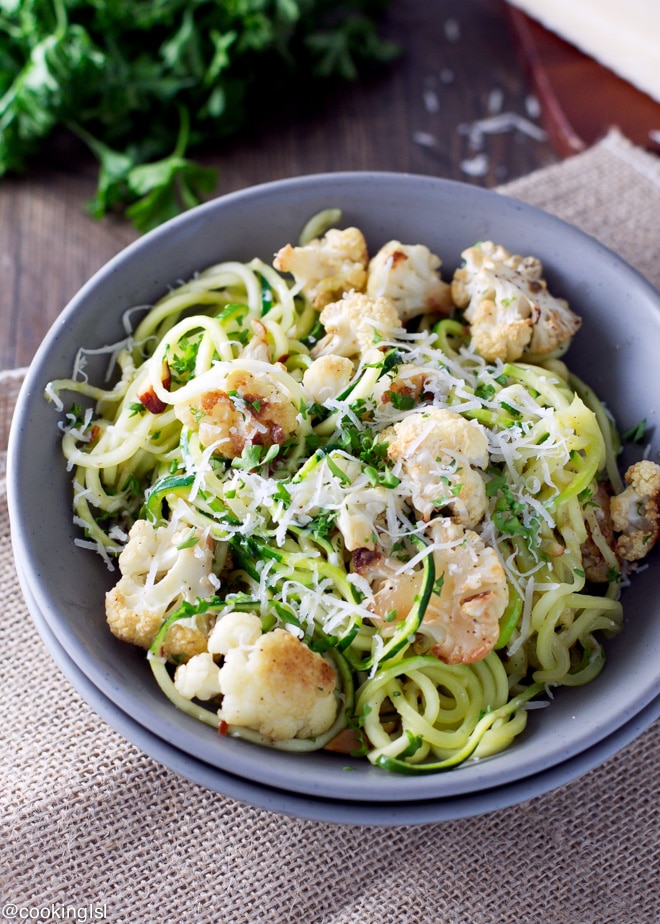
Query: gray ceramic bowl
point(616, 352)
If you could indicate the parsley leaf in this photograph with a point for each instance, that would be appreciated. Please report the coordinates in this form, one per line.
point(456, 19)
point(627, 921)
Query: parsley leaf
point(142, 82)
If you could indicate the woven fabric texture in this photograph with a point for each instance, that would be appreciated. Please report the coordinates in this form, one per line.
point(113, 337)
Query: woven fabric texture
point(88, 818)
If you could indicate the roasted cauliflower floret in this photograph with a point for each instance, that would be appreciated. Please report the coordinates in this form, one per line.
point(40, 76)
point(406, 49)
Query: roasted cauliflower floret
point(408, 274)
point(462, 619)
point(327, 377)
point(356, 324)
point(157, 577)
point(248, 409)
point(236, 630)
point(273, 684)
point(636, 511)
point(357, 517)
point(598, 555)
point(199, 678)
point(327, 267)
point(403, 387)
point(182, 642)
point(257, 346)
point(508, 305)
point(438, 454)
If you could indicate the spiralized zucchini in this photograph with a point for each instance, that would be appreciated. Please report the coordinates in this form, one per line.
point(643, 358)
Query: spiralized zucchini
point(279, 502)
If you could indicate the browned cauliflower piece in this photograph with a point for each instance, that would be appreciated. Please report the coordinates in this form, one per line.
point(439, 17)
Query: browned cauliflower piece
point(356, 324)
point(508, 305)
point(249, 409)
point(598, 555)
point(440, 453)
point(405, 383)
point(327, 267)
point(257, 346)
point(636, 511)
point(272, 682)
point(181, 643)
point(462, 620)
point(157, 577)
point(408, 274)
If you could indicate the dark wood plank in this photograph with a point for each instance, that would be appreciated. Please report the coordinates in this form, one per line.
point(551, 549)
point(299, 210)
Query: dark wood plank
point(458, 66)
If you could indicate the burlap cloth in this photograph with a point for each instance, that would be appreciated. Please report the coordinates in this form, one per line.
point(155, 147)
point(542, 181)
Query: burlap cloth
point(86, 817)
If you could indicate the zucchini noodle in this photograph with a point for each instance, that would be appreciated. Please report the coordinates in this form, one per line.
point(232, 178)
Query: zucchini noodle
point(209, 434)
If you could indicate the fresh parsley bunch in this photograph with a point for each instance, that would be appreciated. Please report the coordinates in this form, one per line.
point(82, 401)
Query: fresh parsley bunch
point(143, 82)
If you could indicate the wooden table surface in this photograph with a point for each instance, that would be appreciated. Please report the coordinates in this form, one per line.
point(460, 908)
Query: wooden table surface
point(459, 66)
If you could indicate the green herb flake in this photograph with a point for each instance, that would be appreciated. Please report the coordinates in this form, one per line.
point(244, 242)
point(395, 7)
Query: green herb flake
point(188, 543)
point(438, 584)
point(485, 391)
point(635, 434)
point(401, 402)
point(254, 456)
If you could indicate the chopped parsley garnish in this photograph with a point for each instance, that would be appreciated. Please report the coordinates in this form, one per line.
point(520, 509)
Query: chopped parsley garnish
point(401, 401)
point(254, 456)
point(181, 362)
point(485, 391)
